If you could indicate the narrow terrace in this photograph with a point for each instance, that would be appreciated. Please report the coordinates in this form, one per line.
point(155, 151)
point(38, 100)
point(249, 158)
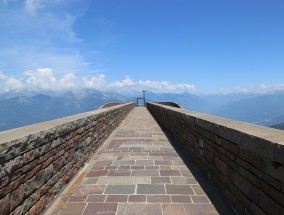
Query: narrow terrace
point(137, 171)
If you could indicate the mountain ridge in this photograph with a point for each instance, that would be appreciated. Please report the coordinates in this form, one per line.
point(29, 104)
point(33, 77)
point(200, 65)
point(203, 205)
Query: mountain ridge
point(267, 109)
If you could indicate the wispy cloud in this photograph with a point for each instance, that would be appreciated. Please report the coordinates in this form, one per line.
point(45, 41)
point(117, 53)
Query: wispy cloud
point(39, 33)
point(33, 5)
point(157, 85)
point(261, 88)
point(44, 79)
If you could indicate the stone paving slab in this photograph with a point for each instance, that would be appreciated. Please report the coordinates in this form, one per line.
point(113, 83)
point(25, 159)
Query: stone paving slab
point(136, 171)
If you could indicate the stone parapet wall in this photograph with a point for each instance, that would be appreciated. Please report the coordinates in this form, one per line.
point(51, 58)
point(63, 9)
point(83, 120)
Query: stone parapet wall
point(37, 161)
point(245, 162)
point(111, 104)
point(172, 104)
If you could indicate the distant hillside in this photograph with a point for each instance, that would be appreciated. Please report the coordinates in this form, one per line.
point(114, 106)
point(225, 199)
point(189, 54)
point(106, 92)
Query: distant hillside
point(188, 101)
point(278, 126)
point(23, 110)
point(19, 109)
point(263, 110)
point(220, 99)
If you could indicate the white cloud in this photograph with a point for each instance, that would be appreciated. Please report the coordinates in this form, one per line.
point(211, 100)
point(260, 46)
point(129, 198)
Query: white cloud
point(43, 79)
point(127, 82)
point(68, 81)
point(9, 83)
point(96, 82)
point(156, 85)
point(39, 80)
point(261, 88)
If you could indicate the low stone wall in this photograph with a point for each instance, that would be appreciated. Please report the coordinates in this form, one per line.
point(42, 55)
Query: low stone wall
point(37, 161)
point(245, 162)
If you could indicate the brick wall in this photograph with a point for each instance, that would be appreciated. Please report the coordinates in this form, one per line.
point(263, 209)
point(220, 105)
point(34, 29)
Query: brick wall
point(245, 162)
point(37, 161)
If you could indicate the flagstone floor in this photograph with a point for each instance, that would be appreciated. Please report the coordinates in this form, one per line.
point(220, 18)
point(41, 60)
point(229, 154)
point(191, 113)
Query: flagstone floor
point(136, 171)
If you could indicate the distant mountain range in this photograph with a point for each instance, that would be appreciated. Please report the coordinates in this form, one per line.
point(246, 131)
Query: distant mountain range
point(263, 110)
point(26, 108)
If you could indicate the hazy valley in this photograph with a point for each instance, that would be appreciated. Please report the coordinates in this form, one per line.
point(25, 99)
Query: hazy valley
point(18, 110)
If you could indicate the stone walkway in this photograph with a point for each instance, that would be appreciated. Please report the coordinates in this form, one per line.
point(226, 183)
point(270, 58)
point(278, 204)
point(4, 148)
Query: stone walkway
point(136, 171)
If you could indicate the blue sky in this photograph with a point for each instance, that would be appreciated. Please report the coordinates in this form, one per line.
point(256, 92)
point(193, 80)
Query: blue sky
point(199, 46)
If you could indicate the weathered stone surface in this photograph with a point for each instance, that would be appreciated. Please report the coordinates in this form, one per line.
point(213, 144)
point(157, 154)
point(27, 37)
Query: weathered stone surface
point(5, 205)
point(16, 197)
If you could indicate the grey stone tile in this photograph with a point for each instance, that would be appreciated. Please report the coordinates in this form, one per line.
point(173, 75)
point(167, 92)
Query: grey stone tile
point(183, 180)
point(90, 180)
point(120, 189)
point(160, 180)
point(144, 162)
point(133, 209)
point(148, 172)
point(158, 199)
point(150, 189)
point(123, 162)
point(142, 180)
point(119, 173)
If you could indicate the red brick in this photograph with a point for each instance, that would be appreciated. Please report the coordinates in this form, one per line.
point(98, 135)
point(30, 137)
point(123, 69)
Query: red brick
point(77, 198)
point(97, 173)
point(179, 189)
point(96, 198)
point(116, 198)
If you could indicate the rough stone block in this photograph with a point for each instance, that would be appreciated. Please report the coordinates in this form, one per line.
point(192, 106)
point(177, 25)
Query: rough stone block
point(5, 205)
point(275, 170)
point(279, 153)
point(221, 166)
point(242, 184)
point(269, 206)
point(17, 196)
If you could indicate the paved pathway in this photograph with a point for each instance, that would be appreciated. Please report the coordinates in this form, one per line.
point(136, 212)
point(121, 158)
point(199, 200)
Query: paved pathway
point(136, 171)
